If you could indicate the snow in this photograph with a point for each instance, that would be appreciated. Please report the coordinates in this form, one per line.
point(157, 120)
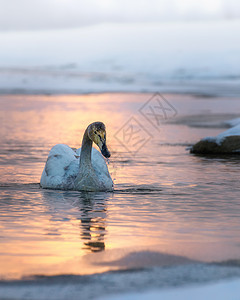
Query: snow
point(170, 282)
point(233, 122)
point(224, 290)
point(230, 132)
point(179, 57)
point(234, 131)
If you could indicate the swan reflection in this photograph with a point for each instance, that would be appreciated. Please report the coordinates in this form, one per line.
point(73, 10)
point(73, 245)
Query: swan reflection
point(93, 222)
point(89, 208)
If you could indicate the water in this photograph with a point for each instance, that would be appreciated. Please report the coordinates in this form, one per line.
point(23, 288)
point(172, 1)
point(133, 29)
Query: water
point(168, 207)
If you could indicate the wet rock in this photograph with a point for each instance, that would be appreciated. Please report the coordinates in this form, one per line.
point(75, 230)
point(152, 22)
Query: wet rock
point(229, 145)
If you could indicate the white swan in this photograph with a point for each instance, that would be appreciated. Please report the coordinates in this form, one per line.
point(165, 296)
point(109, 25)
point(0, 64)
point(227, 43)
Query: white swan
point(65, 171)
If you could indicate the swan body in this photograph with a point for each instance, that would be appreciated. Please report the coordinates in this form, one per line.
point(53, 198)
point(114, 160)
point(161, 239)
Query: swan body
point(84, 169)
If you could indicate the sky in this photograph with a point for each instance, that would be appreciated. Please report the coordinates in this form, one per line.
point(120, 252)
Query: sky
point(59, 14)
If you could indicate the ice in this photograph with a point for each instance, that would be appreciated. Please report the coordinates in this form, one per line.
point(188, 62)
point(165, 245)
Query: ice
point(224, 290)
point(191, 281)
point(191, 57)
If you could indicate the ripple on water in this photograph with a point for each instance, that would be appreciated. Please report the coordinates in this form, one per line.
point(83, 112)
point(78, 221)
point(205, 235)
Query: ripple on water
point(165, 200)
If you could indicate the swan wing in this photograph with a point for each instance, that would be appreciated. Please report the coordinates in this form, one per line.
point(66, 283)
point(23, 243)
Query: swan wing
point(61, 168)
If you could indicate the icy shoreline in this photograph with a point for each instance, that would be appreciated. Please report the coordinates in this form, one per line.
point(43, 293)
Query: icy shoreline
point(46, 81)
point(185, 280)
point(223, 290)
point(165, 57)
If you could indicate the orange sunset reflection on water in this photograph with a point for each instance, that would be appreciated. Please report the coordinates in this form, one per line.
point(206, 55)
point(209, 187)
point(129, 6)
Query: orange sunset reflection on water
point(165, 199)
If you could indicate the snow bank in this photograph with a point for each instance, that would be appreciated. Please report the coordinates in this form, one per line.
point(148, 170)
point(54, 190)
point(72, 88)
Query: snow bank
point(233, 122)
point(225, 142)
point(234, 131)
point(194, 57)
point(221, 291)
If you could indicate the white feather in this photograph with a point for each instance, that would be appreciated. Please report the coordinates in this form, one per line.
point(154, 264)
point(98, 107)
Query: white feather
point(62, 168)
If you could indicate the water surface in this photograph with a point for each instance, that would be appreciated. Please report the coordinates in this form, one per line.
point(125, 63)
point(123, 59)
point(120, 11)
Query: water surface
point(165, 200)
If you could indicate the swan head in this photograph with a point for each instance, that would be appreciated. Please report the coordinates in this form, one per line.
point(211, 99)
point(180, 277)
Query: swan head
point(97, 133)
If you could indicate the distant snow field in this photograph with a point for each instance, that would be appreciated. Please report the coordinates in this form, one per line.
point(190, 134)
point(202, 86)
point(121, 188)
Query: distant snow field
point(194, 57)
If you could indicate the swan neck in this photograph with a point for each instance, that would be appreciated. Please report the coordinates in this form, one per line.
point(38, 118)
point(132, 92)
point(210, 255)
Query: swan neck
point(86, 151)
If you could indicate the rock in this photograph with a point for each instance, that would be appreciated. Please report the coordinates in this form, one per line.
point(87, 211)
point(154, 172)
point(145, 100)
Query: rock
point(228, 145)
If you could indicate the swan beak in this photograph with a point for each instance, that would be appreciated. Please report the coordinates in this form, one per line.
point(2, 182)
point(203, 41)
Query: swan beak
point(104, 150)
